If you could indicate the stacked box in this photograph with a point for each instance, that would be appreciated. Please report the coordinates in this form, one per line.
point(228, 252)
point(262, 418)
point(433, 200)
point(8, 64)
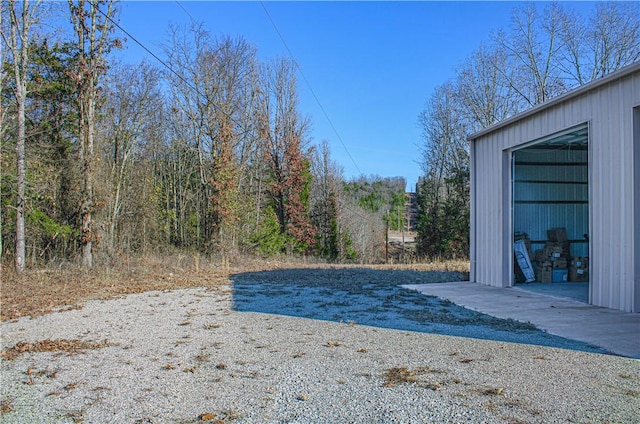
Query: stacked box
point(579, 269)
point(556, 249)
point(552, 262)
point(544, 275)
point(547, 274)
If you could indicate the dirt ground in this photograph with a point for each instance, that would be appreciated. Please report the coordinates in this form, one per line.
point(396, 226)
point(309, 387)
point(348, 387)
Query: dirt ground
point(41, 291)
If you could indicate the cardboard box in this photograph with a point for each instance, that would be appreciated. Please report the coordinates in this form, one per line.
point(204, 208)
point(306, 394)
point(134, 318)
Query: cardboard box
point(560, 263)
point(578, 275)
point(556, 249)
point(544, 275)
point(545, 264)
point(580, 262)
point(560, 275)
point(557, 234)
point(538, 256)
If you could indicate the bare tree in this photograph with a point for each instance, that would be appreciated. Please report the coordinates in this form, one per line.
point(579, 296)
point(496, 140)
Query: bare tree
point(283, 132)
point(325, 193)
point(92, 26)
point(214, 90)
point(443, 190)
point(607, 41)
point(2, 108)
point(533, 46)
point(482, 88)
point(132, 97)
point(17, 42)
point(444, 131)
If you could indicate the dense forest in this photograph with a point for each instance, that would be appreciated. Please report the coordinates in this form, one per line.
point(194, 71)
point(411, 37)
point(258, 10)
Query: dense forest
point(210, 155)
point(548, 49)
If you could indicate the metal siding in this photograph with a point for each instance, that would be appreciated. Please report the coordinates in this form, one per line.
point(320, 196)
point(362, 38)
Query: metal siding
point(536, 219)
point(627, 254)
point(488, 219)
point(608, 109)
point(636, 193)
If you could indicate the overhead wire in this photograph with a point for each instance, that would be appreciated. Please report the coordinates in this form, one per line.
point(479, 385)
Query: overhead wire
point(185, 10)
point(163, 63)
point(195, 89)
point(313, 93)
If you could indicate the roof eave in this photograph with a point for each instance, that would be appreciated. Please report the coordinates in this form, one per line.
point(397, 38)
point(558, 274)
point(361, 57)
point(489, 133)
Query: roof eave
point(620, 73)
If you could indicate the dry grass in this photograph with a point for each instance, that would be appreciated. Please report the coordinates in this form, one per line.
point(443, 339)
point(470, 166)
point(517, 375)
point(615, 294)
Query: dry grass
point(41, 291)
point(401, 375)
point(59, 345)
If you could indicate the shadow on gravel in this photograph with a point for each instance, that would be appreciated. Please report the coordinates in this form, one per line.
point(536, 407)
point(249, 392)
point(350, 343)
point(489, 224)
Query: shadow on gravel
point(373, 297)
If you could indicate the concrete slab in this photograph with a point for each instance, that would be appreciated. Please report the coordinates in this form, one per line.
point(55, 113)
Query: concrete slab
point(617, 332)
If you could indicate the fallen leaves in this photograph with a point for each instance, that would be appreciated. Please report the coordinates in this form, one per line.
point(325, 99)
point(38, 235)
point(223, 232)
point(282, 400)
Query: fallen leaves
point(58, 345)
point(6, 405)
point(207, 416)
point(399, 375)
point(494, 391)
point(41, 291)
point(225, 416)
point(211, 326)
point(70, 386)
point(402, 375)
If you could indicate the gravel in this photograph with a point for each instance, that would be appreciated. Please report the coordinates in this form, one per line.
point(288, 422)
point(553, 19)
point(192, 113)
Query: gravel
point(199, 355)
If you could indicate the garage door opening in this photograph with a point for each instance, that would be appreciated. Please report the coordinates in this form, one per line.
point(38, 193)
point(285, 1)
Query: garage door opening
point(550, 192)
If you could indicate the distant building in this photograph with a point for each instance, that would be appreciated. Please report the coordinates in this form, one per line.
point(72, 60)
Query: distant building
point(573, 163)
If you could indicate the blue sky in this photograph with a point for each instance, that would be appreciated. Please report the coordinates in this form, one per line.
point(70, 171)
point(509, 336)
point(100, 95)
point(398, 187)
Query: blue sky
point(372, 65)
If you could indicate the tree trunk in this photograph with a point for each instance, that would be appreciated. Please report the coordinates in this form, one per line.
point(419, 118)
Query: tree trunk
point(20, 180)
point(92, 29)
point(18, 45)
point(87, 181)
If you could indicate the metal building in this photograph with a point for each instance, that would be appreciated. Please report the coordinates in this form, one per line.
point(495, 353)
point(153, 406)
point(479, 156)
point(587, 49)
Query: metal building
point(574, 163)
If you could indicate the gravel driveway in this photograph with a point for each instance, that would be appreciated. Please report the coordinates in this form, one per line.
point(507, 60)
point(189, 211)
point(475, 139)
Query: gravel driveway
point(233, 355)
point(374, 297)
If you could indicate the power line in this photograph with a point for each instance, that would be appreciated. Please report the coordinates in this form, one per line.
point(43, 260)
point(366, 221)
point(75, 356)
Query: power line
point(308, 85)
point(173, 71)
point(313, 93)
point(128, 34)
point(195, 89)
point(185, 10)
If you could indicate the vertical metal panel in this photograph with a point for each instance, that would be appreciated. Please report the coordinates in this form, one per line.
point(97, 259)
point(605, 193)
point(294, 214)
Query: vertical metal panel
point(563, 184)
point(608, 108)
point(636, 196)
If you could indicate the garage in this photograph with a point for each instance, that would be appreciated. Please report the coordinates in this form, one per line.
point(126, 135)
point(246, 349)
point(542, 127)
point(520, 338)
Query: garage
point(551, 210)
point(561, 182)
